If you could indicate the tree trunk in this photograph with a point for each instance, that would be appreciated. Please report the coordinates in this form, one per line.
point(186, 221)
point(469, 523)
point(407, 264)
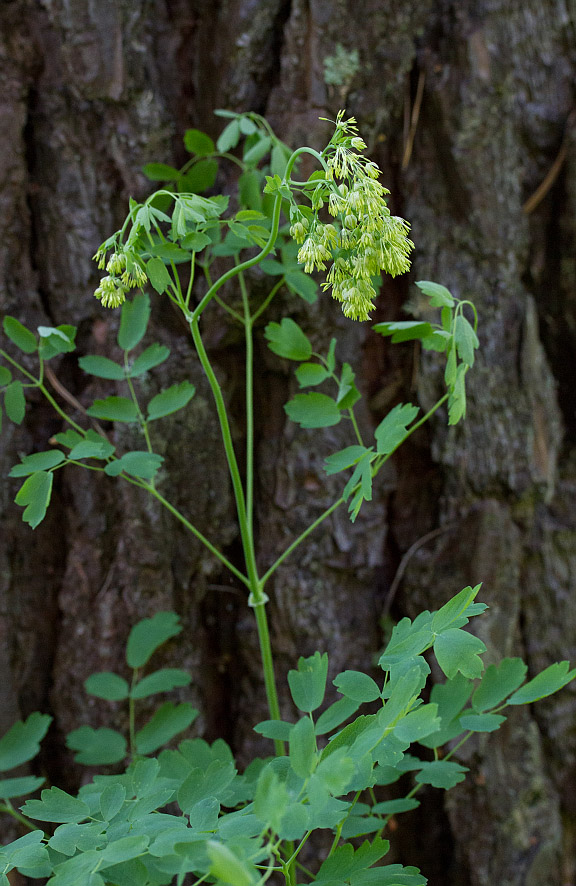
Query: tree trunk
point(468, 109)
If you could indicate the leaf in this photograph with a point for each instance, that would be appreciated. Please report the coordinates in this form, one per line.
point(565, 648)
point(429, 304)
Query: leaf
point(457, 397)
point(158, 274)
point(394, 807)
point(357, 686)
point(340, 461)
point(123, 850)
point(454, 608)
point(498, 682)
point(170, 400)
point(482, 722)
point(408, 640)
point(458, 650)
point(274, 729)
point(311, 374)
point(97, 747)
point(114, 409)
point(546, 683)
point(168, 721)
point(197, 142)
point(5, 376)
point(107, 685)
point(22, 741)
point(148, 359)
point(160, 172)
point(418, 724)
point(224, 864)
point(144, 465)
point(19, 335)
point(195, 241)
point(56, 340)
point(441, 774)
point(308, 683)
point(279, 158)
point(270, 799)
point(100, 448)
point(404, 330)
point(229, 137)
point(438, 341)
point(303, 285)
point(313, 410)
point(39, 461)
point(302, 755)
point(150, 633)
point(56, 805)
point(18, 787)
point(160, 681)
point(34, 495)
point(15, 402)
point(439, 296)
point(257, 151)
point(451, 370)
point(111, 800)
point(133, 321)
point(348, 393)
point(287, 340)
point(466, 340)
point(101, 367)
point(451, 698)
point(199, 177)
point(201, 784)
point(335, 715)
point(392, 430)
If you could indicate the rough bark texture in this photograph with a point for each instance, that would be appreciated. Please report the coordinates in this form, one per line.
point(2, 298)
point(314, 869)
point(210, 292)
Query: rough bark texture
point(91, 91)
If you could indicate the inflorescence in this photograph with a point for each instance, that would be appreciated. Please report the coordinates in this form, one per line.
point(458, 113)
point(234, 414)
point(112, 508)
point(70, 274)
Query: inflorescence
point(369, 239)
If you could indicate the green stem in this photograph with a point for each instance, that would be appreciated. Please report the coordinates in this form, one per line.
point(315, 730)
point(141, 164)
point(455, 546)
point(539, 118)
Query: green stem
point(9, 809)
point(237, 269)
point(141, 419)
point(132, 715)
point(355, 426)
point(249, 403)
point(300, 539)
point(268, 299)
point(196, 532)
point(378, 464)
point(257, 598)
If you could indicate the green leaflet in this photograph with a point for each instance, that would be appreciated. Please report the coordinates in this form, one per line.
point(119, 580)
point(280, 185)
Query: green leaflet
point(34, 496)
point(287, 340)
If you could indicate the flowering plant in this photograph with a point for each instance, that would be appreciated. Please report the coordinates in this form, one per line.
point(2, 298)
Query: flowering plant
point(162, 815)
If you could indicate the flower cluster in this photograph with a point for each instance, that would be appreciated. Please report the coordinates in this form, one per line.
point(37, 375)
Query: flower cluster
point(370, 239)
point(125, 272)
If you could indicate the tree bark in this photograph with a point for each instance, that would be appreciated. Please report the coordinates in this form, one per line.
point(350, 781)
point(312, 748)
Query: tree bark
point(468, 108)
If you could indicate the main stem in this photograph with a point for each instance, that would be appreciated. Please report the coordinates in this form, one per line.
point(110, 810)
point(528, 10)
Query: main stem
point(257, 598)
